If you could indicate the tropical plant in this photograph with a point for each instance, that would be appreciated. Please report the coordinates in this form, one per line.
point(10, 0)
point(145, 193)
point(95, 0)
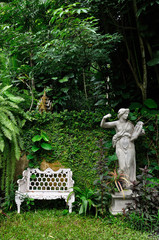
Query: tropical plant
point(10, 129)
point(119, 180)
point(85, 199)
point(39, 149)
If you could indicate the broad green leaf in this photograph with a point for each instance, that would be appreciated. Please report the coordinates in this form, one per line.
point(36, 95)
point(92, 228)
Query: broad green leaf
point(65, 79)
point(78, 11)
point(35, 148)
point(155, 60)
point(132, 117)
point(36, 138)
point(44, 136)
point(150, 103)
point(65, 90)
point(112, 158)
point(46, 146)
point(30, 156)
point(85, 203)
point(33, 176)
point(81, 211)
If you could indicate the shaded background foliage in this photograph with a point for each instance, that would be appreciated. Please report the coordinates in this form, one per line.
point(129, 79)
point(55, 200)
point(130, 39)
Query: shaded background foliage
point(81, 60)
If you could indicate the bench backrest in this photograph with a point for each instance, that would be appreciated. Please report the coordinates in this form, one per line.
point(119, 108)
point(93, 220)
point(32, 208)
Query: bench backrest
point(48, 180)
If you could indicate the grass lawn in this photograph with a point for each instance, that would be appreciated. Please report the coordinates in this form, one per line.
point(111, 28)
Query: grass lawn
point(52, 224)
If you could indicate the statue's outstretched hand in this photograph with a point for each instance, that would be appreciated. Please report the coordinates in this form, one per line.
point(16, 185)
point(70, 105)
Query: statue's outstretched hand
point(107, 116)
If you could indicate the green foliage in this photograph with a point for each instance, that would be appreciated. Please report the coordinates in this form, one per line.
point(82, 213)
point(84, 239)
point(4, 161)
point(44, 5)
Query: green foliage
point(38, 150)
point(72, 138)
point(145, 214)
point(8, 203)
point(28, 203)
point(101, 167)
point(36, 43)
point(136, 22)
point(149, 144)
point(85, 199)
point(10, 141)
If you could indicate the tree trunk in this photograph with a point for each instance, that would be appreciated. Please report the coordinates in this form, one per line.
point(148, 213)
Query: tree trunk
point(143, 85)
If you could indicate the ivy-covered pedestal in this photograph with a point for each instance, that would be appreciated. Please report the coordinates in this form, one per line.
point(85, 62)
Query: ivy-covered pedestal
point(120, 201)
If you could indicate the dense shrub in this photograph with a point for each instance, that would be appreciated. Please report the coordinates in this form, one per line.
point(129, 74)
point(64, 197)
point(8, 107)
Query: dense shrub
point(144, 215)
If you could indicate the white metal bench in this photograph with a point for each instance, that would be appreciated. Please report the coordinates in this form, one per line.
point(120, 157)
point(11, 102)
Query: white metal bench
point(46, 184)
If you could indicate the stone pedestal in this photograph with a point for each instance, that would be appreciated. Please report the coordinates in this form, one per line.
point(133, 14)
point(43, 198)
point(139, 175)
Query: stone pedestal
point(119, 201)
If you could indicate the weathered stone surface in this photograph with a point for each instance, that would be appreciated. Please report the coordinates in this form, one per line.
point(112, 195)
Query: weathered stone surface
point(123, 141)
point(120, 201)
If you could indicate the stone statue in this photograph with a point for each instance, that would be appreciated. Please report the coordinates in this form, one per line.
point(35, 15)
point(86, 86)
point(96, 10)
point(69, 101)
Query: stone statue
point(123, 140)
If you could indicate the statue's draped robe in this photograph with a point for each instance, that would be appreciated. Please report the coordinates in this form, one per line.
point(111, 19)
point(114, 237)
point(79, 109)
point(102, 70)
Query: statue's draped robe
point(125, 150)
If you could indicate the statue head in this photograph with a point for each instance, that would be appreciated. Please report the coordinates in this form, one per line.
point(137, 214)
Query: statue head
point(122, 111)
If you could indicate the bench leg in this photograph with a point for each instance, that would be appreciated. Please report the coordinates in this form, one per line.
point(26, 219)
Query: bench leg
point(70, 201)
point(70, 206)
point(18, 200)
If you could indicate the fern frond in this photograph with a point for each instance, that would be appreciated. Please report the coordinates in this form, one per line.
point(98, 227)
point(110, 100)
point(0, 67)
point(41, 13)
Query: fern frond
point(3, 174)
point(1, 144)
point(10, 143)
point(13, 98)
point(7, 132)
point(4, 89)
point(1, 99)
point(9, 114)
point(16, 147)
point(7, 178)
point(13, 161)
point(20, 142)
point(6, 122)
point(11, 104)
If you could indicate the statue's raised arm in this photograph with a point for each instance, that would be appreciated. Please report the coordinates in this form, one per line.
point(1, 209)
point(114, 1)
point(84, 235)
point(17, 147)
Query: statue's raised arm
point(105, 124)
